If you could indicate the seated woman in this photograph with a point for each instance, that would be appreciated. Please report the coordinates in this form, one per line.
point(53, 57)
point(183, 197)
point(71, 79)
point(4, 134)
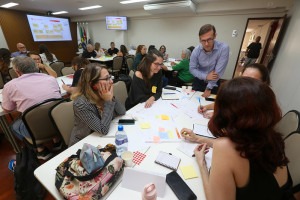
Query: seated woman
point(257, 71)
point(94, 104)
point(139, 55)
point(183, 70)
point(146, 84)
point(78, 64)
point(46, 56)
point(43, 68)
point(163, 50)
point(100, 52)
point(248, 160)
point(123, 52)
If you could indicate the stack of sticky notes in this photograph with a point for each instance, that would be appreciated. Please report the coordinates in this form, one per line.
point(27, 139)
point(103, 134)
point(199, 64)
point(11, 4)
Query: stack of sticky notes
point(188, 172)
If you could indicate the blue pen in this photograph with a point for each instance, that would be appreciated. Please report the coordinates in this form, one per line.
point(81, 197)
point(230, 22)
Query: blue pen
point(200, 103)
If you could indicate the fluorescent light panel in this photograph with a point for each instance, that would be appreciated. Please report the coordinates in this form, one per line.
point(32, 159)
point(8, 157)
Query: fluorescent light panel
point(90, 7)
point(9, 5)
point(132, 1)
point(59, 12)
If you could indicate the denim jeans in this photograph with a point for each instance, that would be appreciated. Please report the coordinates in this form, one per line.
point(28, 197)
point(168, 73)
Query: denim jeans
point(19, 129)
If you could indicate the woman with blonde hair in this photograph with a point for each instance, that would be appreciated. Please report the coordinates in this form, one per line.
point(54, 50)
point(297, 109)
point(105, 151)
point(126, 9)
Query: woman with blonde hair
point(94, 104)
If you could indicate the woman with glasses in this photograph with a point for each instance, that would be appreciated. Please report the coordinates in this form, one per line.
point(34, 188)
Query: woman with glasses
point(146, 84)
point(94, 103)
point(163, 50)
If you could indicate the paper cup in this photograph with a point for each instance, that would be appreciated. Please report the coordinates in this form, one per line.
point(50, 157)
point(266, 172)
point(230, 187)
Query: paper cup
point(189, 89)
point(183, 88)
point(127, 156)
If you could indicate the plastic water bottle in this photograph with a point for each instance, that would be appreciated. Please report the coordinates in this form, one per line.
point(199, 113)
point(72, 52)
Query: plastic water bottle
point(121, 141)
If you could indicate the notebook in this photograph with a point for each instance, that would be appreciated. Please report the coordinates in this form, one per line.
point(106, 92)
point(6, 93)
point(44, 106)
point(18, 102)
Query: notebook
point(168, 160)
point(170, 96)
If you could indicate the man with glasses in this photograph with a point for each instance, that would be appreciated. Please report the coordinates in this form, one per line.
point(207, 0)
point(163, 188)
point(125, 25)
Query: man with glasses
point(22, 51)
point(208, 61)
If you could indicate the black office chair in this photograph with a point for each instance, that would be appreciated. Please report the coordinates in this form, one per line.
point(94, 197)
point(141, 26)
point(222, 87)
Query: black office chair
point(289, 123)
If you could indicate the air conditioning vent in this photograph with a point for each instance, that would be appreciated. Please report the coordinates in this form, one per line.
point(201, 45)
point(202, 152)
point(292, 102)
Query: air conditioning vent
point(171, 7)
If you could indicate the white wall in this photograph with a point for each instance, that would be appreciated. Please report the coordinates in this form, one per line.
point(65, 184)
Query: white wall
point(285, 75)
point(3, 43)
point(177, 33)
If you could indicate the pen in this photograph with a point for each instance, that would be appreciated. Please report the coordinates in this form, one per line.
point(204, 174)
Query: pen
point(178, 91)
point(169, 93)
point(174, 105)
point(62, 81)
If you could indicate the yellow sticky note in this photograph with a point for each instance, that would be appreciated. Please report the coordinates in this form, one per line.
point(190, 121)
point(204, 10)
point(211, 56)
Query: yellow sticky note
point(165, 117)
point(145, 125)
point(154, 89)
point(188, 172)
point(171, 135)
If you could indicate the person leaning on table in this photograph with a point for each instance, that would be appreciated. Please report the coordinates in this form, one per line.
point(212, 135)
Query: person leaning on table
point(248, 160)
point(257, 71)
point(43, 68)
point(94, 104)
point(146, 84)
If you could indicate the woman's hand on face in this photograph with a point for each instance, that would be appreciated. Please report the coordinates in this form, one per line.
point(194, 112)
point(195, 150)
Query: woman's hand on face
point(188, 134)
point(149, 102)
point(105, 91)
point(200, 152)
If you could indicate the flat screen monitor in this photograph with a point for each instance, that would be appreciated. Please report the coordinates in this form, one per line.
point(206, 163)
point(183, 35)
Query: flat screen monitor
point(49, 28)
point(116, 23)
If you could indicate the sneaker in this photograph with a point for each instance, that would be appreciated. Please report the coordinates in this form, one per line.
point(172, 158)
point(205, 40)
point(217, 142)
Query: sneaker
point(44, 155)
point(57, 146)
point(12, 165)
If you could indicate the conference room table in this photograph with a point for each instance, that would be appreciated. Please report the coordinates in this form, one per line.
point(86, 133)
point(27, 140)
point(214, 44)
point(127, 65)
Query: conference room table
point(4, 122)
point(102, 59)
point(148, 137)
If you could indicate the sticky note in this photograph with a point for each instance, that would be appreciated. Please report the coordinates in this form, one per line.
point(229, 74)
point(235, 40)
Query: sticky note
point(171, 135)
point(145, 125)
point(161, 129)
point(188, 172)
point(154, 89)
point(156, 139)
point(165, 117)
point(163, 135)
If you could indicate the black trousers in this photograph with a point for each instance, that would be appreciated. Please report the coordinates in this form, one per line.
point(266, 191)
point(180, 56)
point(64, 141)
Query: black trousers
point(200, 85)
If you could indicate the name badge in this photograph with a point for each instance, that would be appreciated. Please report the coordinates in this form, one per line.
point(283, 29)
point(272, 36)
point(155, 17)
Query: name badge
point(154, 89)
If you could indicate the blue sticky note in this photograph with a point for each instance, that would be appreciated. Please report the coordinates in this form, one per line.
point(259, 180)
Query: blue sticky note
point(163, 135)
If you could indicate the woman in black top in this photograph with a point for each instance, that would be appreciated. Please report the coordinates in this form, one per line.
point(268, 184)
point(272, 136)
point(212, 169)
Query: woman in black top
point(78, 64)
point(248, 160)
point(146, 84)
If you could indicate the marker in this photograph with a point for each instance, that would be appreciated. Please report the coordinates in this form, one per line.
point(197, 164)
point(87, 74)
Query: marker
point(201, 107)
point(62, 81)
point(177, 132)
point(174, 105)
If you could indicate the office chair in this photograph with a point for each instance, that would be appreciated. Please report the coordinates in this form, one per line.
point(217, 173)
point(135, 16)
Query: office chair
point(117, 65)
point(289, 123)
point(120, 92)
point(62, 116)
point(57, 66)
point(38, 122)
point(67, 70)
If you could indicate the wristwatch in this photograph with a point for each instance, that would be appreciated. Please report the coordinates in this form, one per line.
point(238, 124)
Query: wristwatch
point(208, 89)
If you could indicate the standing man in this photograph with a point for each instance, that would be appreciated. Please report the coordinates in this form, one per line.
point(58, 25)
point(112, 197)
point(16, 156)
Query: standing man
point(22, 51)
point(208, 61)
point(253, 51)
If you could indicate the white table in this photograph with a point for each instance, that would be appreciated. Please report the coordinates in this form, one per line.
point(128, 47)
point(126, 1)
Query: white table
point(180, 118)
point(68, 79)
point(102, 59)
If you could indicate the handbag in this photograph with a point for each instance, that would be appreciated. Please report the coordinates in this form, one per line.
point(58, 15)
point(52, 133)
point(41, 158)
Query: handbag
point(74, 182)
point(91, 158)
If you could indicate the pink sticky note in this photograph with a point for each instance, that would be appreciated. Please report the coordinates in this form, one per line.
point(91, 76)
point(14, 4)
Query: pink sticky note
point(161, 129)
point(156, 139)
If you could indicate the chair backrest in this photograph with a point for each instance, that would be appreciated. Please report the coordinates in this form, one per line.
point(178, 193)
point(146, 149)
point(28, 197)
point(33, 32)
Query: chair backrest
point(131, 73)
point(120, 92)
point(289, 123)
point(12, 73)
point(292, 149)
point(130, 60)
point(38, 122)
point(63, 117)
point(117, 63)
point(57, 66)
point(67, 70)
point(1, 81)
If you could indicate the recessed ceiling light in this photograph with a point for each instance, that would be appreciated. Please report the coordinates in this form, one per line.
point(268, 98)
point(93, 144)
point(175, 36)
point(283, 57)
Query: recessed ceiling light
point(8, 5)
point(90, 7)
point(59, 12)
point(132, 1)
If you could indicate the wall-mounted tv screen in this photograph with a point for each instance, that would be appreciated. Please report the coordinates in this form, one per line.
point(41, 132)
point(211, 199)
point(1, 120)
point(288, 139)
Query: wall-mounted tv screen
point(116, 23)
point(49, 28)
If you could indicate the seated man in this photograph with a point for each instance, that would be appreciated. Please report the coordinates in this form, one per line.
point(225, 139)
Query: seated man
point(112, 50)
point(22, 51)
point(89, 52)
point(25, 91)
point(46, 69)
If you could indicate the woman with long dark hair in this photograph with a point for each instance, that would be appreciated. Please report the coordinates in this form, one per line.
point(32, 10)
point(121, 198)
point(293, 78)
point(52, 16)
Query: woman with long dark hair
point(46, 56)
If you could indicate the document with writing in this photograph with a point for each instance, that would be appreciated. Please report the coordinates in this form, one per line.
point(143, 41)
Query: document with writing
point(168, 160)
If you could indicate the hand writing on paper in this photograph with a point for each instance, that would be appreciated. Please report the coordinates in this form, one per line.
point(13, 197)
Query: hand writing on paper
point(149, 102)
point(200, 152)
point(212, 76)
point(202, 109)
point(188, 134)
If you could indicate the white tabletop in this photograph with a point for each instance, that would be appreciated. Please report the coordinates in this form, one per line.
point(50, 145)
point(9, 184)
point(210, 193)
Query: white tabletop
point(68, 79)
point(102, 58)
point(179, 117)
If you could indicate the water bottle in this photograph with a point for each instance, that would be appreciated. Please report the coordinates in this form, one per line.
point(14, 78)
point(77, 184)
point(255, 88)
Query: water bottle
point(121, 141)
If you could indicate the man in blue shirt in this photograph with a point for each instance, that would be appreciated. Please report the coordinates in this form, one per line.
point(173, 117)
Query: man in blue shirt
point(22, 51)
point(208, 61)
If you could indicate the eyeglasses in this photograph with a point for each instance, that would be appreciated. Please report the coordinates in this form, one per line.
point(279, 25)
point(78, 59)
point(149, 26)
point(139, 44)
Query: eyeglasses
point(158, 64)
point(108, 78)
point(209, 40)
